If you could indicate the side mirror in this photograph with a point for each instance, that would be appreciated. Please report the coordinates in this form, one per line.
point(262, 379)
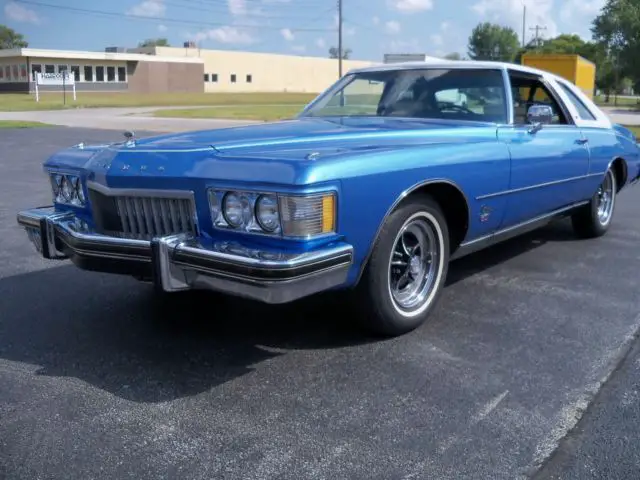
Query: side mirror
point(539, 115)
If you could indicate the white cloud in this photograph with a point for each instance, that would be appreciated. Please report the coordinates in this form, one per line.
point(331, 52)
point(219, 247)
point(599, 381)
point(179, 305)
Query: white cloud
point(162, 28)
point(403, 46)
point(287, 34)
point(148, 8)
point(444, 26)
point(437, 39)
point(320, 43)
point(237, 7)
point(408, 6)
point(509, 12)
point(392, 27)
point(226, 34)
point(18, 13)
point(375, 20)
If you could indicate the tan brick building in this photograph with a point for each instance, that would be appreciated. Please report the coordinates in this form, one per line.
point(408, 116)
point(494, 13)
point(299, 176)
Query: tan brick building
point(171, 69)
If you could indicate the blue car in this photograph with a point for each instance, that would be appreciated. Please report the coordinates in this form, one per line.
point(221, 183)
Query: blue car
point(374, 188)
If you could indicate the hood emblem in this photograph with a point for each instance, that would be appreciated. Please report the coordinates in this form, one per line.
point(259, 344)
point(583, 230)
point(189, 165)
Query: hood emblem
point(313, 156)
point(130, 139)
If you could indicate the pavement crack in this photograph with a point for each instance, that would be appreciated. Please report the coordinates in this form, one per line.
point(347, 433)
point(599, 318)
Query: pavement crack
point(574, 414)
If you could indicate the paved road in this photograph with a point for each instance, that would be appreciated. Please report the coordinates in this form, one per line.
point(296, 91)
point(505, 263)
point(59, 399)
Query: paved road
point(141, 119)
point(606, 443)
point(100, 379)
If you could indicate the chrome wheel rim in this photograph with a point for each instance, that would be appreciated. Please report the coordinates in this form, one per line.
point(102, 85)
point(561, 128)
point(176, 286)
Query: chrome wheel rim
point(414, 265)
point(605, 198)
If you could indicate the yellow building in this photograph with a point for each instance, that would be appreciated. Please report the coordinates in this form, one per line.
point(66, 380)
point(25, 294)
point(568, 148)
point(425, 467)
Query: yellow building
point(233, 71)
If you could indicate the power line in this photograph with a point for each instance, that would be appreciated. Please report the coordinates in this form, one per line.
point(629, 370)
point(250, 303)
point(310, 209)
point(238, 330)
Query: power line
point(537, 29)
point(87, 11)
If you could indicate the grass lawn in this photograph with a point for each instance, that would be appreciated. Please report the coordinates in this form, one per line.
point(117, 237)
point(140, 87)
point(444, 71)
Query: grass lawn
point(240, 112)
point(622, 102)
point(634, 128)
point(21, 124)
point(53, 101)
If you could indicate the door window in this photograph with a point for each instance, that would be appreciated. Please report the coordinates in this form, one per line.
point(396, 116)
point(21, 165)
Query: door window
point(528, 90)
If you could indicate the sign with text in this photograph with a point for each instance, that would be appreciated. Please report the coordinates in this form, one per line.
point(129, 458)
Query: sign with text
point(60, 78)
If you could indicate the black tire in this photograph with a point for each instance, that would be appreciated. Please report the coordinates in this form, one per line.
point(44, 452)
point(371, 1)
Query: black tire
point(381, 312)
point(589, 221)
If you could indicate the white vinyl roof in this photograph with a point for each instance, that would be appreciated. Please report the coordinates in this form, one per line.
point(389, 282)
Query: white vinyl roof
point(82, 55)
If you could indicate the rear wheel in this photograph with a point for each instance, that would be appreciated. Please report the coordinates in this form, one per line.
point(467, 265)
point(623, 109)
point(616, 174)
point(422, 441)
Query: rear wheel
point(594, 219)
point(407, 268)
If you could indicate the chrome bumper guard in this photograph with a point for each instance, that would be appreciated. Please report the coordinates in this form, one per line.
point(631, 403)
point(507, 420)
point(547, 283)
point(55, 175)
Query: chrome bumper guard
point(181, 262)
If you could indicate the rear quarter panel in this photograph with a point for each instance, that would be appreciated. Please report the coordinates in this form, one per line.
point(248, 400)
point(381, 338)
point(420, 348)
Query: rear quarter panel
point(605, 145)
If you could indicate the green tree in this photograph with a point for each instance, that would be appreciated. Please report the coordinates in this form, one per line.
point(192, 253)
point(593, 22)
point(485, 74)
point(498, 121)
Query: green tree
point(9, 38)
point(154, 42)
point(489, 41)
point(453, 56)
point(617, 31)
point(333, 53)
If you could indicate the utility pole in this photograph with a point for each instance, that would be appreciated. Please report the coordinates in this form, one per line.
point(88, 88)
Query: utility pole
point(524, 24)
point(340, 38)
point(537, 29)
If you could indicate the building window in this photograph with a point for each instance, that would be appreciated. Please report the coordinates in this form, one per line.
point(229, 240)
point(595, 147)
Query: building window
point(249, 78)
point(63, 68)
point(122, 74)
point(75, 69)
point(35, 69)
point(214, 77)
point(111, 74)
point(49, 69)
point(2, 74)
point(233, 78)
point(206, 77)
point(88, 73)
point(99, 74)
point(16, 74)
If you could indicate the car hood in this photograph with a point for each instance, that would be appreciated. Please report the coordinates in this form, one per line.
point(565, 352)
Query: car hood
point(310, 134)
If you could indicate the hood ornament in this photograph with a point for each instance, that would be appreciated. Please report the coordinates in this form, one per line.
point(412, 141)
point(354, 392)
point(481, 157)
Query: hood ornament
point(130, 139)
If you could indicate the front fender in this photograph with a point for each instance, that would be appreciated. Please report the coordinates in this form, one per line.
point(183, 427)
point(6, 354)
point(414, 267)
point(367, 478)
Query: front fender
point(369, 193)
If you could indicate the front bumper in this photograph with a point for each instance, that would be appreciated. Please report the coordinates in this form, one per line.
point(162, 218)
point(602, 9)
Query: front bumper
point(180, 262)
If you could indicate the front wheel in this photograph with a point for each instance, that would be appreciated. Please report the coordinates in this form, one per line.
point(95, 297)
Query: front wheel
point(407, 268)
point(594, 219)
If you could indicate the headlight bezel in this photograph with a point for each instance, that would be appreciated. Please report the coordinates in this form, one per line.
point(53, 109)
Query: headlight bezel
point(254, 226)
point(76, 195)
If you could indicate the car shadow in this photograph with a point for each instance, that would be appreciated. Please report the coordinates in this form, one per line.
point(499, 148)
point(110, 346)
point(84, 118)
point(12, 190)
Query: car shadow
point(122, 337)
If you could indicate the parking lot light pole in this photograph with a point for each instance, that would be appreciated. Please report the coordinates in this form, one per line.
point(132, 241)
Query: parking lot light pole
point(339, 38)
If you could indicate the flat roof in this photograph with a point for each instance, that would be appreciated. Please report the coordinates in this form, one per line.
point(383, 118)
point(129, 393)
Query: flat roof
point(460, 64)
point(85, 55)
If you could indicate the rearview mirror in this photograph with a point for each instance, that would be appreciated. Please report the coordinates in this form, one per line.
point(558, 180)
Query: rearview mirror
point(539, 115)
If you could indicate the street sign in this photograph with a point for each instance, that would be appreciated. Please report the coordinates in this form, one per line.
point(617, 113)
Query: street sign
point(63, 79)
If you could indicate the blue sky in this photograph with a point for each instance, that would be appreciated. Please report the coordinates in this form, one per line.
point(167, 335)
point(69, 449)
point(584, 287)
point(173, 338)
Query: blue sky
point(304, 27)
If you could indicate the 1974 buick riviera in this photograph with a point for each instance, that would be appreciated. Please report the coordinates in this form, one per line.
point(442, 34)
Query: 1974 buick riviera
point(373, 188)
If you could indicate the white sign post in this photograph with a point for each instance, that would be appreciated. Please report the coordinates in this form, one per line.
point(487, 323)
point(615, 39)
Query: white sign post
point(63, 79)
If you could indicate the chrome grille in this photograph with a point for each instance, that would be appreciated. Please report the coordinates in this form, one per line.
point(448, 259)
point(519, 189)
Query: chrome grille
point(155, 216)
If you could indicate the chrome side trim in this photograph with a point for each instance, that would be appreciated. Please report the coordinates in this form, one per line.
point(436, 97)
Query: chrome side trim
point(499, 236)
point(401, 197)
point(539, 185)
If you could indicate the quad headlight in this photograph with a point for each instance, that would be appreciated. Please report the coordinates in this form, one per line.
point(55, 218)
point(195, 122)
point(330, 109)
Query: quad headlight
point(67, 189)
point(301, 216)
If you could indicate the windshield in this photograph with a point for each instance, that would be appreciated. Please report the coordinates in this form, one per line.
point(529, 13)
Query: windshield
point(447, 94)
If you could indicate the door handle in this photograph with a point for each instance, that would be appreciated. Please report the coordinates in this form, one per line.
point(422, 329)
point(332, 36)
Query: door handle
point(582, 141)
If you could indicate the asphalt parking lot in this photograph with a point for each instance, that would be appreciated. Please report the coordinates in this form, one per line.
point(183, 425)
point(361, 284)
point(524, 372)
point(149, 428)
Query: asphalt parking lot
point(101, 379)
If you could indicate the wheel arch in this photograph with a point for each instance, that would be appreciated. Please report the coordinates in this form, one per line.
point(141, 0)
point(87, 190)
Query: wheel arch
point(452, 200)
point(620, 170)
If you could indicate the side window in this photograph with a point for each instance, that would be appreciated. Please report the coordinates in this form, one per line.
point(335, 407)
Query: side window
point(528, 90)
point(583, 111)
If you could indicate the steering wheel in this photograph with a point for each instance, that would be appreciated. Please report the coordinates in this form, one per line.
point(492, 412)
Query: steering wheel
point(459, 108)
